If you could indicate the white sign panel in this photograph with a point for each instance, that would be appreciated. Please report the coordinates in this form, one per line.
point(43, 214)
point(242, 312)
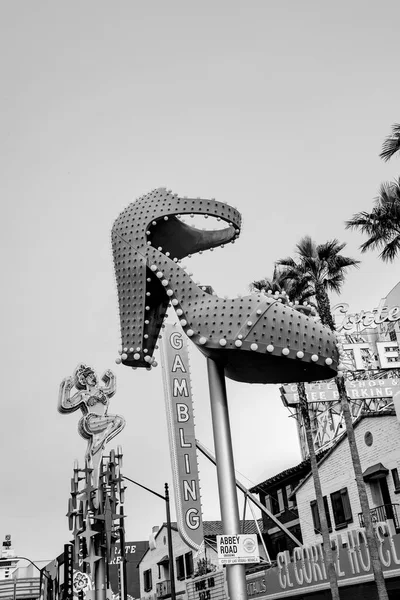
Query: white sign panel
point(238, 549)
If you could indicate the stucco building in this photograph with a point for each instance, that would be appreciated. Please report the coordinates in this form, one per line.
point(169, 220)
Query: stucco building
point(154, 567)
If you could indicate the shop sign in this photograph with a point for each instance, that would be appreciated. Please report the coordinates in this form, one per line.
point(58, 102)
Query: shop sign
point(303, 569)
point(68, 572)
point(237, 549)
point(207, 587)
point(182, 440)
point(256, 585)
point(369, 319)
point(360, 389)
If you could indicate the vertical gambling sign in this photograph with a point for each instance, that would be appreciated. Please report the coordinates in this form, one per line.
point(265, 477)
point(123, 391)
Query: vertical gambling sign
point(179, 408)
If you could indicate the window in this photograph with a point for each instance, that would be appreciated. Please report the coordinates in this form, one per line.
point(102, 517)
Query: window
point(147, 580)
point(276, 501)
point(368, 438)
point(180, 567)
point(281, 501)
point(315, 515)
point(189, 564)
point(268, 503)
point(396, 480)
point(273, 501)
point(291, 502)
point(341, 508)
point(184, 566)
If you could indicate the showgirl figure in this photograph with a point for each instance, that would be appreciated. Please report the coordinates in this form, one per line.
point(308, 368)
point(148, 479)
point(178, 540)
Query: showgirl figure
point(96, 425)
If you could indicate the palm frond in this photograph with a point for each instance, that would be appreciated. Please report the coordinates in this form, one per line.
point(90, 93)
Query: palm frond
point(391, 145)
point(287, 262)
point(306, 247)
point(363, 221)
point(335, 282)
point(264, 284)
point(391, 250)
point(374, 242)
point(329, 249)
point(340, 262)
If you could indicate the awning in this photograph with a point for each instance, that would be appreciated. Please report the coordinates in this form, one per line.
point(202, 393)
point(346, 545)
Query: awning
point(377, 471)
point(164, 560)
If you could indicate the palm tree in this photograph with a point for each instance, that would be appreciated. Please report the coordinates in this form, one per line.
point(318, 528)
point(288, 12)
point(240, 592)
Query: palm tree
point(299, 290)
point(382, 224)
point(325, 269)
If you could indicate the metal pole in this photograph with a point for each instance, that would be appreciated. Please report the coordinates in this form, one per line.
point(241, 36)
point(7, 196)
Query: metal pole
point(124, 595)
point(100, 577)
point(225, 472)
point(170, 549)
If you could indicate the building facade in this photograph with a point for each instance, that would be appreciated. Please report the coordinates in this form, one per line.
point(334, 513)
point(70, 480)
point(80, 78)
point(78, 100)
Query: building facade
point(154, 573)
point(378, 442)
point(18, 581)
point(276, 495)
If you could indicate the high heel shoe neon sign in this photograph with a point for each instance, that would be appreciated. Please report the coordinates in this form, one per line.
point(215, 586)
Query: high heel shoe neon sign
point(258, 339)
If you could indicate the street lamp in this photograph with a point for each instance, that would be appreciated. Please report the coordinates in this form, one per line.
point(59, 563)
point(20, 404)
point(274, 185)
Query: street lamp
point(169, 530)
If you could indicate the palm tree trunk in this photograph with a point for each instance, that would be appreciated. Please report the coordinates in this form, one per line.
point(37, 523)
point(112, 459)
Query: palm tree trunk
point(362, 492)
point(329, 564)
point(324, 306)
point(327, 319)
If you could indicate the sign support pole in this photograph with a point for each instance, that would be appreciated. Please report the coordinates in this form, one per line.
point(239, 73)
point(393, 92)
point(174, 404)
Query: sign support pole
point(225, 472)
point(100, 579)
point(170, 546)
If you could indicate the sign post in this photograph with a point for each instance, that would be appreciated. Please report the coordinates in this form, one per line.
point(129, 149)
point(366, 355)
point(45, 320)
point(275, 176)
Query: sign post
point(225, 471)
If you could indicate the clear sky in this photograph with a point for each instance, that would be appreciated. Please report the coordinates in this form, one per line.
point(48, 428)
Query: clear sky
point(279, 109)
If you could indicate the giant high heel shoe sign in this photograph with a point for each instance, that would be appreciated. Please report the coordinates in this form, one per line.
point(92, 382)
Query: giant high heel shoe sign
point(255, 339)
point(258, 339)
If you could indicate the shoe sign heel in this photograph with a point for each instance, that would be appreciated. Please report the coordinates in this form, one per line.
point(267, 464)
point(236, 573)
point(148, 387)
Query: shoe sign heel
point(258, 339)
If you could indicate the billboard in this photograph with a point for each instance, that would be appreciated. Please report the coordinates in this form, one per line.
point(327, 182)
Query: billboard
point(182, 441)
point(356, 390)
point(370, 339)
point(134, 552)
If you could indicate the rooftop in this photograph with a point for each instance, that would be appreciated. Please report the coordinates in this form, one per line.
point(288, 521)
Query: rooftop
point(303, 469)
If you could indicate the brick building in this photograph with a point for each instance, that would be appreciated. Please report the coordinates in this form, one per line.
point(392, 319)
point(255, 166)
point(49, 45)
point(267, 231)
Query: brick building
point(378, 441)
